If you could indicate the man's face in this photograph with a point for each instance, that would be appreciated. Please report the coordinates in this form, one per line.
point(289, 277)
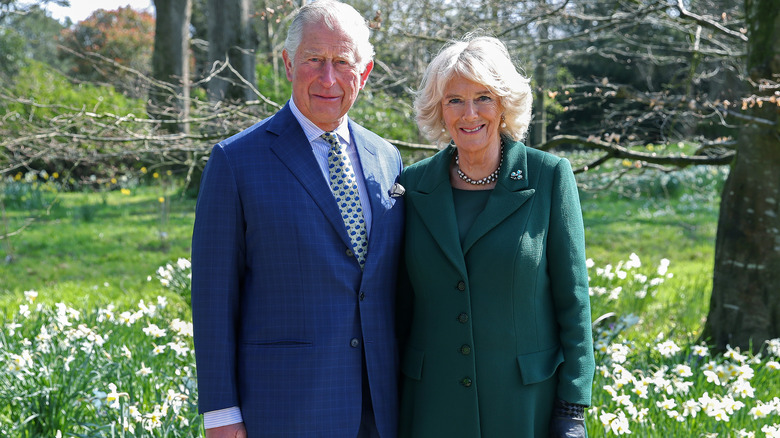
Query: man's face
point(324, 75)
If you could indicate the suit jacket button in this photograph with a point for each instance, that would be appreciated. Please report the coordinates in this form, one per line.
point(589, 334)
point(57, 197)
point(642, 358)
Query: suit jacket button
point(466, 382)
point(354, 343)
point(463, 318)
point(461, 286)
point(350, 253)
point(362, 296)
point(465, 350)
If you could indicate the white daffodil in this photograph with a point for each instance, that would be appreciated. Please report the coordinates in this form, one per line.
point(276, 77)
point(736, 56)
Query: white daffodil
point(761, 410)
point(30, 295)
point(112, 397)
point(700, 350)
point(126, 352)
point(683, 370)
point(154, 331)
point(666, 404)
point(158, 349)
point(668, 348)
point(712, 377)
point(690, 408)
point(143, 371)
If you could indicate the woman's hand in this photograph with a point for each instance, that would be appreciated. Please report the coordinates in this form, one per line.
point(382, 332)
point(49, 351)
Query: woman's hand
point(568, 420)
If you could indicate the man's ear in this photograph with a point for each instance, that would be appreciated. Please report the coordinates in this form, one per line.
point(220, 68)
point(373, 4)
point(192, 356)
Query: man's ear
point(288, 67)
point(366, 72)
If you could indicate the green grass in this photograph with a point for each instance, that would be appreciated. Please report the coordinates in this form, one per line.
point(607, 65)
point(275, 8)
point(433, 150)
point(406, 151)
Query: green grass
point(657, 216)
point(102, 245)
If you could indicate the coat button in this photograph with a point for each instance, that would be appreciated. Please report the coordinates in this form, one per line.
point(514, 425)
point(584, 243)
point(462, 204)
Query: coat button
point(355, 343)
point(350, 253)
point(465, 350)
point(362, 296)
point(461, 286)
point(463, 318)
point(465, 382)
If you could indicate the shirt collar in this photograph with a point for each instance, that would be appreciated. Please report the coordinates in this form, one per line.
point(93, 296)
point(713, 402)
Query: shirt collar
point(313, 132)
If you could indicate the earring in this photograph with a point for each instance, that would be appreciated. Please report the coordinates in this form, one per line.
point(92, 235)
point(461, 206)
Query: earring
point(503, 123)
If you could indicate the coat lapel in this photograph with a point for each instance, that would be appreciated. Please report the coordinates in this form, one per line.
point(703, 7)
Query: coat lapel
point(294, 150)
point(507, 197)
point(433, 199)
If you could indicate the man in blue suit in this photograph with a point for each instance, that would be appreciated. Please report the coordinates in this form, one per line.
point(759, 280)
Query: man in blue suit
point(293, 316)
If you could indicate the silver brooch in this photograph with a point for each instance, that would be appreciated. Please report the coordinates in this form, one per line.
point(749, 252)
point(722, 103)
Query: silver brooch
point(516, 175)
point(396, 191)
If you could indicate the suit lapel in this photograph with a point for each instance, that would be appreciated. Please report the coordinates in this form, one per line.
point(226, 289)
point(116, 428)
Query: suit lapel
point(433, 199)
point(507, 197)
point(371, 165)
point(294, 150)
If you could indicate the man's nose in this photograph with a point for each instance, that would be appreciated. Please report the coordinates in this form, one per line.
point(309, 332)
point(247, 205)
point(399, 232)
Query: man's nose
point(327, 74)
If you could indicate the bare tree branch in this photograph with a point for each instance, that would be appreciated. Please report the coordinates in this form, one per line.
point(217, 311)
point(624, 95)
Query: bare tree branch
point(620, 152)
point(708, 23)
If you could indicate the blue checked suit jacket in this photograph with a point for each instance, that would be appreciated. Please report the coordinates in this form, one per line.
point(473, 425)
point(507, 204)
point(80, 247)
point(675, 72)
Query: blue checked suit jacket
point(280, 306)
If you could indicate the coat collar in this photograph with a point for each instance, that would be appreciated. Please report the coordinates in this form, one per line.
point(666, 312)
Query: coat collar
point(436, 205)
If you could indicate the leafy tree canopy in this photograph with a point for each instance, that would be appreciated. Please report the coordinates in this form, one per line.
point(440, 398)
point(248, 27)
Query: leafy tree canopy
point(122, 39)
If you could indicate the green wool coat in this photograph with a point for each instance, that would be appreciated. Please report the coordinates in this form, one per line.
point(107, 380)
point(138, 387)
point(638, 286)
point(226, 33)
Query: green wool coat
point(494, 330)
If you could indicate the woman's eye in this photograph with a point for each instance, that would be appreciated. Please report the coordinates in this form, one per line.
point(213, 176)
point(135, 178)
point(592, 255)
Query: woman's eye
point(484, 99)
point(454, 101)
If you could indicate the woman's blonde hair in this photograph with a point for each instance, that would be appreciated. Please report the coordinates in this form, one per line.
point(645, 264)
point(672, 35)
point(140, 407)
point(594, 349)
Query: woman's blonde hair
point(481, 59)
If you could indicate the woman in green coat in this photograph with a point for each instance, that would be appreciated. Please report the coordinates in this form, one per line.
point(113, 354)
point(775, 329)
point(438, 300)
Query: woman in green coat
point(495, 321)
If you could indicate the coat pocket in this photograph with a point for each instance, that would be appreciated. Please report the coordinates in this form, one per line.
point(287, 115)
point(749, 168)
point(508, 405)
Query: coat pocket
point(412, 363)
point(539, 365)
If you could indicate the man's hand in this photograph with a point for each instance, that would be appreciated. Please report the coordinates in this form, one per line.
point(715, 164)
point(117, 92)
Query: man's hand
point(230, 431)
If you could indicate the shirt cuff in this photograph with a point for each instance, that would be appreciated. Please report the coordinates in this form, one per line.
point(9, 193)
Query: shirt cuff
point(222, 417)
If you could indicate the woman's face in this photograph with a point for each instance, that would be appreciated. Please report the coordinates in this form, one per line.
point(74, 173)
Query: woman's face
point(472, 115)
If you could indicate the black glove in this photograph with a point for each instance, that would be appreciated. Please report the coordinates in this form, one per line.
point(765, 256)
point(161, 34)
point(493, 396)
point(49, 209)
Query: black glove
point(568, 420)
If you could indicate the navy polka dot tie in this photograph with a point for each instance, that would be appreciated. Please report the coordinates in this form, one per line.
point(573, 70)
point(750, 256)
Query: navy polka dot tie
point(344, 186)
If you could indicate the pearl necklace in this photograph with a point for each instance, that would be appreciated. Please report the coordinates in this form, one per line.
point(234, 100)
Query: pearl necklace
point(486, 180)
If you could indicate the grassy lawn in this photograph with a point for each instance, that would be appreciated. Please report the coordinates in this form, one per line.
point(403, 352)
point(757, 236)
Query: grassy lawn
point(101, 246)
point(98, 245)
point(88, 239)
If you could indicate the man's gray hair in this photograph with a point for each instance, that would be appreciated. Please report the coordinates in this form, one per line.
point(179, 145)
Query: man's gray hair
point(335, 15)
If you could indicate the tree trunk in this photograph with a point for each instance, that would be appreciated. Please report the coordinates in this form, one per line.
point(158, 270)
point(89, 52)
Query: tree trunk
point(169, 99)
point(231, 40)
point(745, 304)
point(539, 125)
